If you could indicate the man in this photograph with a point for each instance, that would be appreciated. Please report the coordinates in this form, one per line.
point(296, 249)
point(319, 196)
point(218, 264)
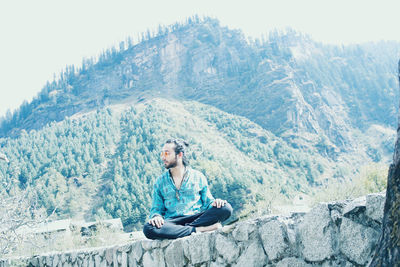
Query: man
point(182, 202)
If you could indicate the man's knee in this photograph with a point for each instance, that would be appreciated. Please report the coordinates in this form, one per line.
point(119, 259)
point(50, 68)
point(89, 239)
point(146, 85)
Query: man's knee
point(149, 232)
point(224, 212)
point(227, 210)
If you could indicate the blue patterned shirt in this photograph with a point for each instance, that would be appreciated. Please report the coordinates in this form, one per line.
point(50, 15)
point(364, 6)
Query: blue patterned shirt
point(194, 195)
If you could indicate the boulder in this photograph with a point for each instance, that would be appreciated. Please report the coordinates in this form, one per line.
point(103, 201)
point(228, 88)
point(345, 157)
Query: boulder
point(227, 248)
point(292, 262)
point(243, 230)
point(154, 258)
point(337, 262)
point(375, 204)
point(148, 244)
point(216, 264)
point(197, 248)
point(253, 256)
point(109, 255)
point(357, 241)
point(56, 260)
point(135, 254)
point(124, 259)
point(274, 239)
point(316, 234)
point(354, 206)
point(220, 262)
point(97, 260)
point(174, 254)
point(34, 261)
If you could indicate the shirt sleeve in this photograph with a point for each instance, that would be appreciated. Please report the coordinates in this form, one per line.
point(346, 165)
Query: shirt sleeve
point(158, 207)
point(205, 194)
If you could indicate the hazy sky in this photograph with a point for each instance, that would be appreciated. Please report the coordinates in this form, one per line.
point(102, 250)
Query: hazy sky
point(40, 37)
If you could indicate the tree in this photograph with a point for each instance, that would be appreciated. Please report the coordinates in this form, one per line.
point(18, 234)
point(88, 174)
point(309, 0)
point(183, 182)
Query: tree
point(387, 252)
point(19, 212)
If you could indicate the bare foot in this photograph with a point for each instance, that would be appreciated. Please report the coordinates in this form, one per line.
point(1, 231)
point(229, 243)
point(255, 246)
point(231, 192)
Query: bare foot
point(209, 228)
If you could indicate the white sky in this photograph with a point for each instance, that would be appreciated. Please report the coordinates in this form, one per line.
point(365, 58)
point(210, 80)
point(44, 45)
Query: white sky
point(40, 37)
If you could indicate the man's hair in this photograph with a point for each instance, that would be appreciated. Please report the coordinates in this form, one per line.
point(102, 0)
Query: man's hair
point(180, 146)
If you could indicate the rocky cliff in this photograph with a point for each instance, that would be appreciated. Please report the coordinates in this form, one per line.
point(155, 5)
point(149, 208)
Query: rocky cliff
point(388, 249)
point(331, 234)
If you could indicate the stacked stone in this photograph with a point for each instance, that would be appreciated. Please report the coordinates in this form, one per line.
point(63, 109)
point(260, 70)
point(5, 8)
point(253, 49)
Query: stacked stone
point(331, 234)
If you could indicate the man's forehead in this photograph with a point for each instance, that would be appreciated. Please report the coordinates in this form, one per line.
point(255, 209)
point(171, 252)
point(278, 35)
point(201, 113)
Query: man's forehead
point(169, 147)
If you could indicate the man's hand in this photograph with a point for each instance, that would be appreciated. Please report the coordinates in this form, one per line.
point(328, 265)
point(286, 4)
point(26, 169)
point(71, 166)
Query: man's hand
point(157, 221)
point(219, 203)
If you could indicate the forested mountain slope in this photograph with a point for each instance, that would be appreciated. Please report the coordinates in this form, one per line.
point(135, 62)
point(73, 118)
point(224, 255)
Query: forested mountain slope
point(104, 163)
point(308, 93)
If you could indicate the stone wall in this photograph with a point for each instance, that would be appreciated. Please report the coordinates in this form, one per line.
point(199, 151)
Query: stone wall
point(331, 234)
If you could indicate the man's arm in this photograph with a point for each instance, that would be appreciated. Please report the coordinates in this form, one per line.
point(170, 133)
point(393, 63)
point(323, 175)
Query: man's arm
point(205, 194)
point(158, 207)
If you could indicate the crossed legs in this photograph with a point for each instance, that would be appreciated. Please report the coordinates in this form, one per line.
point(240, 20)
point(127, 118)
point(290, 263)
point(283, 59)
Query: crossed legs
point(185, 225)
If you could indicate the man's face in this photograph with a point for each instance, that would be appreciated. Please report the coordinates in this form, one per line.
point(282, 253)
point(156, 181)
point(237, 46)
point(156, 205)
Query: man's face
point(168, 156)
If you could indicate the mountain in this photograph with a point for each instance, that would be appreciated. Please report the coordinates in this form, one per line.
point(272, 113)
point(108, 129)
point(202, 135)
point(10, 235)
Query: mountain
point(104, 163)
point(299, 89)
point(266, 118)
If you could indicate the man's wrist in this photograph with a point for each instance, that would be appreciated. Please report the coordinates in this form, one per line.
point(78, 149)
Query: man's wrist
point(210, 205)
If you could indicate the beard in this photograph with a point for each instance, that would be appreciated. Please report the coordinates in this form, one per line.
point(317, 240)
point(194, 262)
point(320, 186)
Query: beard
point(172, 164)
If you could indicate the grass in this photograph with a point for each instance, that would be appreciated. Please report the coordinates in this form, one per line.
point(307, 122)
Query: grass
point(372, 179)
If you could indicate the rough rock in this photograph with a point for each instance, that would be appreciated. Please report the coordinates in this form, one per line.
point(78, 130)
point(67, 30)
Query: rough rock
point(357, 241)
point(316, 234)
point(292, 262)
point(174, 254)
point(153, 258)
point(336, 263)
point(335, 216)
point(354, 206)
point(125, 248)
point(253, 256)
point(97, 260)
point(274, 239)
point(136, 252)
point(55, 260)
point(115, 257)
point(91, 262)
point(227, 248)
point(124, 259)
point(375, 204)
point(109, 255)
point(243, 230)
point(197, 248)
point(74, 255)
point(216, 264)
point(34, 261)
point(152, 244)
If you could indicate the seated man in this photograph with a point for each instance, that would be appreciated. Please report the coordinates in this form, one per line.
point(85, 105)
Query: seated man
point(182, 202)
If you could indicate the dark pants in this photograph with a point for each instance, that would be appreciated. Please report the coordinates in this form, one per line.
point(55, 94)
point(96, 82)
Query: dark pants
point(185, 225)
